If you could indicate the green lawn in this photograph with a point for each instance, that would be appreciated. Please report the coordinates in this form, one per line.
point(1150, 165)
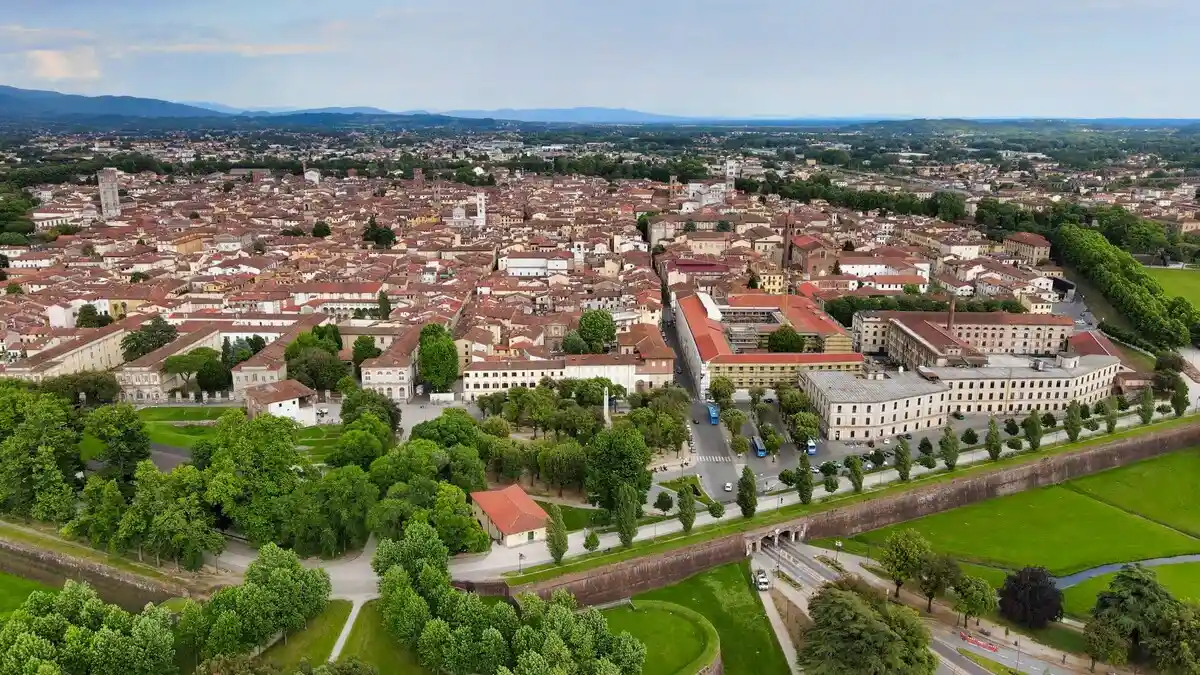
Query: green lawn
point(575, 517)
point(672, 640)
point(14, 590)
point(1182, 580)
point(90, 447)
point(681, 483)
point(178, 436)
point(183, 413)
point(373, 645)
point(724, 596)
point(1184, 283)
point(1055, 527)
point(1161, 489)
point(314, 643)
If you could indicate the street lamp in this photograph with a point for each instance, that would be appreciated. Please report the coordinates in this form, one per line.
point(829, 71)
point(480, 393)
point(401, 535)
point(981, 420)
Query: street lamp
point(838, 546)
point(520, 559)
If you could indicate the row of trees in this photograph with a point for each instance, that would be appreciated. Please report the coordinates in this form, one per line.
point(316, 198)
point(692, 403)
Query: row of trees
point(1162, 320)
point(314, 359)
point(844, 308)
point(456, 633)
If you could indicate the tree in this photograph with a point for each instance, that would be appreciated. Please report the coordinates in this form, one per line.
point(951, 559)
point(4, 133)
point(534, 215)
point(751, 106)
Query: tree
point(991, 441)
point(1110, 415)
point(364, 348)
point(851, 633)
point(1073, 423)
point(213, 376)
point(721, 389)
point(948, 448)
point(687, 508)
point(591, 542)
point(1033, 431)
point(357, 446)
point(716, 510)
point(1105, 643)
point(89, 317)
point(434, 645)
point(53, 497)
point(13, 288)
point(574, 344)
point(1179, 397)
point(663, 502)
point(556, 534)
point(733, 419)
point(903, 461)
point(1146, 406)
point(100, 516)
point(1011, 427)
point(616, 457)
point(187, 365)
point(925, 447)
point(496, 426)
point(321, 229)
point(804, 479)
point(938, 573)
point(747, 493)
point(138, 277)
point(970, 437)
point(830, 483)
point(359, 402)
point(384, 307)
point(149, 337)
point(1030, 598)
point(438, 358)
point(318, 369)
point(123, 440)
point(625, 514)
point(854, 468)
point(785, 339)
point(904, 554)
point(973, 596)
point(1135, 603)
point(598, 330)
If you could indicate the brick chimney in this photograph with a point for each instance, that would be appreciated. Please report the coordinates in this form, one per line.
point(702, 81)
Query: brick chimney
point(950, 316)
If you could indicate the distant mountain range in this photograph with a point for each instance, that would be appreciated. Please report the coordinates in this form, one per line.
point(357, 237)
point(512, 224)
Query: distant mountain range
point(29, 104)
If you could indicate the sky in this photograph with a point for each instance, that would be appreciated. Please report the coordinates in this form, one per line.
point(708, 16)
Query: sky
point(791, 58)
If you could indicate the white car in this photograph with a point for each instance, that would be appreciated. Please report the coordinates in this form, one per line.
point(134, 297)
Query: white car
point(729, 487)
point(761, 580)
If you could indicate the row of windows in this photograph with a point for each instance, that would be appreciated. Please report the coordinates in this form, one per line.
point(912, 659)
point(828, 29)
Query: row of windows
point(883, 419)
point(896, 404)
point(499, 374)
point(899, 429)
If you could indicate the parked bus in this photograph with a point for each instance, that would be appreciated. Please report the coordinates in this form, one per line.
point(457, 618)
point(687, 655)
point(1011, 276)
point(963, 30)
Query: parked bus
point(714, 414)
point(759, 449)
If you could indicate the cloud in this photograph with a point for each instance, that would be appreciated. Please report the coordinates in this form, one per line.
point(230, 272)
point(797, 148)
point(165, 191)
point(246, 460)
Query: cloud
point(34, 33)
point(79, 63)
point(247, 50)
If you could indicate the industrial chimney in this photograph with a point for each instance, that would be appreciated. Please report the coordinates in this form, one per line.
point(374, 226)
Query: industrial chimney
point(950, 316)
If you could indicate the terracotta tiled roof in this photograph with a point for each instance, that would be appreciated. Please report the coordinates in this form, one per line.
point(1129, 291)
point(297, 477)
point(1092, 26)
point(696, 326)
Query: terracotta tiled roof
point(510, 510)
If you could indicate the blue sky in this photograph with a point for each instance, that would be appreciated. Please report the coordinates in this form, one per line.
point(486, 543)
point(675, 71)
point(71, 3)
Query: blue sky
point(938, 58)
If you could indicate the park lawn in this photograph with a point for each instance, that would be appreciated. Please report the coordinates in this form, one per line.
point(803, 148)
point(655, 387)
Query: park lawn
point(14, 590)
point(370, 642)
point(1182, 580)
point(178, 436)
point(1184, 283)
point(314, 643)
point(574, 517)
point(1161, 489)
point(672, 641)
point(90, 447)
point(1054, 527)
point(183, 413)
point(993, 575)
point(724, 596)
point(681, 483)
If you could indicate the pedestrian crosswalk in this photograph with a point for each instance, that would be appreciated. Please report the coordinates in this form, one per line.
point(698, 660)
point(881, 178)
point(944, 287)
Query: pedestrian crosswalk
point(704, 458)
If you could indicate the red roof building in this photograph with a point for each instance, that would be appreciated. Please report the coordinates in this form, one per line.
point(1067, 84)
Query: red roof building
point(510, 516)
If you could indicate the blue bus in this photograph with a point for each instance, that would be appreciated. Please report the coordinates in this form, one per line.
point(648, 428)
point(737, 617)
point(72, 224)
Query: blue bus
point(760, 450)
point(714, 414)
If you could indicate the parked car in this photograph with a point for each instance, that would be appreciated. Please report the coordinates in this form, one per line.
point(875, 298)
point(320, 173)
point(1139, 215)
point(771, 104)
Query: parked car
point(762, 581)
point(695, 420)
point(958, 415)
point(908, 437)
point(870, 444)
point(729, 487)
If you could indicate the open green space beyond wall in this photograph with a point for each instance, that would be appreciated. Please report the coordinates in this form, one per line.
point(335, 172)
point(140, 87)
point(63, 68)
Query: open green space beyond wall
point(1141, 512)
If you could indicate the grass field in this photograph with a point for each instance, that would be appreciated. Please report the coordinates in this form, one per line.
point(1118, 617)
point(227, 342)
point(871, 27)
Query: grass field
point(682, 483)
point(314, 643)
point(1161, 489)
point(1055, 527)
point(183, 413)
point(371, 643)
point(575, 517)
point(14, 590)
point(1181, 282)
point(988, 664)
point(672, 641)
point(1182, 580)
point(724, 596)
